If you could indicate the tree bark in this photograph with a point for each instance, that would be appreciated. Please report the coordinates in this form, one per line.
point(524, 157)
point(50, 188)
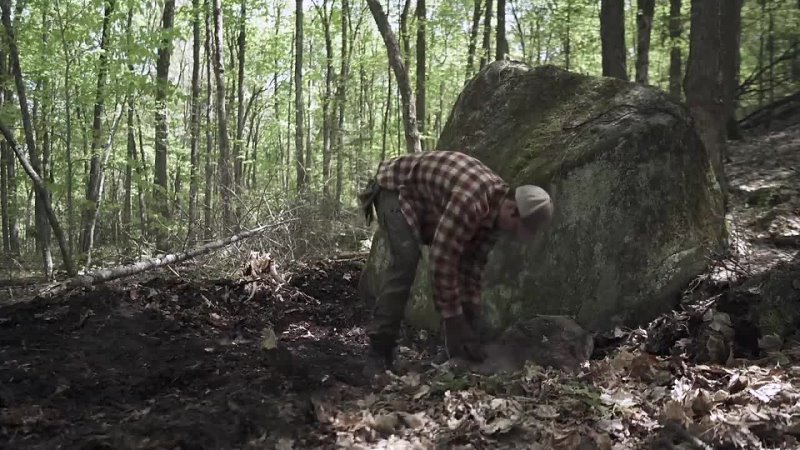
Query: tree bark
point(421, 69)
point(644, 26)
point(8, 171)
point(404, 32)
point(487, 34)
point(208, 198)
point(502, 42)
point(341, 99)
point(473, 36)
point(240, 114)
point(675, 63)
point(396, 61)
point(298, 98)
point(703, 84)
point(222, 121)
point(95, 168)
point(731, 23)
point(612, 38)
point(327, 115)
point(33, 168)
point(161, 191)
point(195, 122)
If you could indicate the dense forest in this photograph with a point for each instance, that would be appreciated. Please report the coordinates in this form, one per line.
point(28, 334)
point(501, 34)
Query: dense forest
point(155, 125)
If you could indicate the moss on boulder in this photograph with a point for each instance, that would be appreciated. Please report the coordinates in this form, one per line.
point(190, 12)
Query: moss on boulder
point(637, 208)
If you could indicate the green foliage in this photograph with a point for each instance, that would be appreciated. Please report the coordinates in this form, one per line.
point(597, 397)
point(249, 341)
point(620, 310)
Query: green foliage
point(59, 44)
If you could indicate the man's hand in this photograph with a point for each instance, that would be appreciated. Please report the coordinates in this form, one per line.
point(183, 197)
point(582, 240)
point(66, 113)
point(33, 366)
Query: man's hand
point(461, 340)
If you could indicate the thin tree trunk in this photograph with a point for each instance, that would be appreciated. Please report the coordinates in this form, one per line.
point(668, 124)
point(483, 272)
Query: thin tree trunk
point(327, 115)
point(731, 20)
point(127, 203)
point(404, 40)
point(161, 191)
point(195, 122)
point(68, 132)
point(389, 92)
point(396, 61)
point(222, 121)
point(487, 34)
point(298, 98)
point(520, 32)
point(644, 26)
point(208, 199)
point(341, 101)
point(568, 38)
point(421, 69)
point(703, 84)
point(8, 170)
point(612, 38)
point(502, 42)
point(95, 169)
point(675, 63)
point(32, 167)
point(5, 213)
point(240, 114)
point(473, 36)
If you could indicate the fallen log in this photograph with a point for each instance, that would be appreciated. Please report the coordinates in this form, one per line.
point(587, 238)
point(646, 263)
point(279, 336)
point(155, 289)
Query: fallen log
point(100, 276)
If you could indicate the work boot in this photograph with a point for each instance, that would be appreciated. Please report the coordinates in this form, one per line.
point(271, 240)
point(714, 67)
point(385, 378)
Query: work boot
point(380, 358)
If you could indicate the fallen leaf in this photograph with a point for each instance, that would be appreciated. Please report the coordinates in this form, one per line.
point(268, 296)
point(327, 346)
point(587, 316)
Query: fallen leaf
point(285, 444)
point(701, 405)
point(545, 412)
point(422, 392)
point(767, 392)
point(675, 412)
point(268, 339)
point(385, 423)
point(414, 421)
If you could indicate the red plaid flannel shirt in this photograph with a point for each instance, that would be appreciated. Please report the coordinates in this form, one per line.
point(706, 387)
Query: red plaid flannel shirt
point(451, 201)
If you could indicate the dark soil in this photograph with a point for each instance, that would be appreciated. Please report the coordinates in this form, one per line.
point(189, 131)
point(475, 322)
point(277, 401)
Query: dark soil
point(179, 364)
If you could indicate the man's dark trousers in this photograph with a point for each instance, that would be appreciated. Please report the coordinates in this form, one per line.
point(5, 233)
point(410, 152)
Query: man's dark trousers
point(394, 284)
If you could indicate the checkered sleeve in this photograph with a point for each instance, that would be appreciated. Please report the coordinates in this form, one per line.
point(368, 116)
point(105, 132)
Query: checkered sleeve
point(457, 226)
point(472, 270)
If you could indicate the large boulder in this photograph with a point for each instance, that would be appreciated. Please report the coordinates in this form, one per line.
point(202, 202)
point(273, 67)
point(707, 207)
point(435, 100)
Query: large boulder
point(637, 208)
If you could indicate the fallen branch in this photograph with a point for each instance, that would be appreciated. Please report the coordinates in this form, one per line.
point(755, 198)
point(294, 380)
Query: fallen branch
point(103, 275)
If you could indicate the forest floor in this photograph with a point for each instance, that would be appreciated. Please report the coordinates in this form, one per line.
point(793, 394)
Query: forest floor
point(175, 360)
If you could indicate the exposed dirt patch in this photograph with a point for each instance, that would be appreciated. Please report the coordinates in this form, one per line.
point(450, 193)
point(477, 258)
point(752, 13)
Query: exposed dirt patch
point(174, 364)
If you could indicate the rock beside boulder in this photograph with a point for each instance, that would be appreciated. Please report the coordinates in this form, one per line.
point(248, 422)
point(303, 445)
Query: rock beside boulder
point(637, 208)
point(549, 341)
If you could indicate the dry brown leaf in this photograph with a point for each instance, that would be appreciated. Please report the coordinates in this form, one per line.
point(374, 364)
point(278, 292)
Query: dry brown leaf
point(385, 423)
point(701, 405)
point(545, 412)
point(674, 411)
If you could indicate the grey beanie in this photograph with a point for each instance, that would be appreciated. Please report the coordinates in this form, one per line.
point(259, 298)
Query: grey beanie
point(534, 205)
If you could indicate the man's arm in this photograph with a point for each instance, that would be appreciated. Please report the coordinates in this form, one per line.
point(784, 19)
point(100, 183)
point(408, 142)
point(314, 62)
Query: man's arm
point(457, 226)
point(472, 266)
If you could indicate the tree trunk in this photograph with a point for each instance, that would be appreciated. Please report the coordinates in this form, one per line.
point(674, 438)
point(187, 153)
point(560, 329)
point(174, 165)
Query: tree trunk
point(8, 169)
point(195, 122)
point(487, 34)
point(327, 115)
point(208, 199)
point(421, 71)
point(127, 203)
point(222, 121)
point(612, 38)
point(473, 36)
point(385, 126)
point(396, 61)
point(502, 42)
point(161, 191)
point(404, 32)
point(341, 101)
point(298, 98)
point(675, 63)
point(95, 168)
point(32, 167)
point(731, 23)
point(644, 25)
point(703, 84)
point(240, 115)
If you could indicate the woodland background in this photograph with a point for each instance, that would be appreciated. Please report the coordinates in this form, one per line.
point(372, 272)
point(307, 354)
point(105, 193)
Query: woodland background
point(157, 125)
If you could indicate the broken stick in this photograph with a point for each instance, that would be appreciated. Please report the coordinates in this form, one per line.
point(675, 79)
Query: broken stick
point(103, 275)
